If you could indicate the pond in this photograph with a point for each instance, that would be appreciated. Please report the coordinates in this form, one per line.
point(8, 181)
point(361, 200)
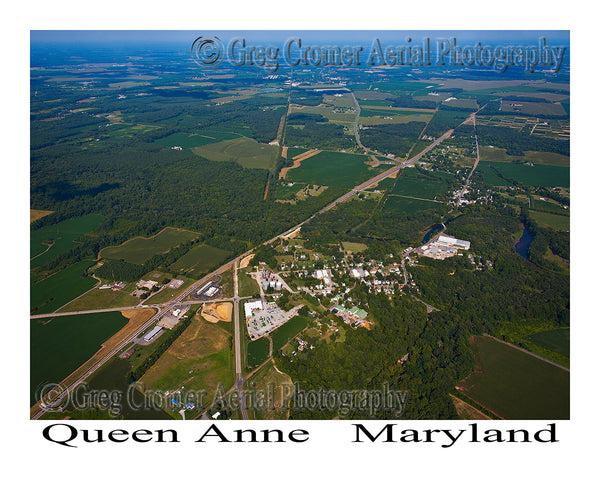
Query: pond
point(523, 244)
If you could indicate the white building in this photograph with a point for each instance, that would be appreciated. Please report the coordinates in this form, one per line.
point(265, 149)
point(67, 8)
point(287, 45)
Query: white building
point(446, 240)
point(152, 333)
point(250, 306)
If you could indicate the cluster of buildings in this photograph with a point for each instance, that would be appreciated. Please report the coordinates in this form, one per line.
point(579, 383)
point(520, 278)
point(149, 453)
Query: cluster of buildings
point(168, 321)
point(210, 290)
point(444, 246)
point(269, 280)
point(352, 316)
point(114, 287)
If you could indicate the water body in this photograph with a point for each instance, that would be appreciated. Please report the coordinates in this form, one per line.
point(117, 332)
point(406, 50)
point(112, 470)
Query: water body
point(523, 244)
point(434, 230)
point(438, 227)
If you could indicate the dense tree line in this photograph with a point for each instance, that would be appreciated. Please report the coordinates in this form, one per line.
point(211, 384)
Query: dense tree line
point(393, 138)
point(516, 143)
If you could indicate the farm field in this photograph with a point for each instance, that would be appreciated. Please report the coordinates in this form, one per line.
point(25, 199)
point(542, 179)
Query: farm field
point(557, 340)
point(37, 214)
point(104, 298)
point(288, 331)
point(63, 234)
point(60, 345)
point(247, 286)
point(275, 386)
point(258, 352)
point(200, 259)
point(245, 151)
point(408, 206)
point(53, 292)
point(557, 222)
point(334, 169)
point(462, 103)
point(288, 191)
point(548, 206)
point(538, 175)
point(113, 376)
point(391, 115)
point(533, 108)
point(516, 385)
point(400, 86)
point(412, 183)
point(494, 154)
point(190, 140)
point(138, 250)
point(200, 359)
point(329, 111)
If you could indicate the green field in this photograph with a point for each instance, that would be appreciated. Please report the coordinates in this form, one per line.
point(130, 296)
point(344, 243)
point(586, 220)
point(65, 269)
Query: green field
point(191, 140)
point(104, 298)
point(494, 154)
point(112, 377)
point(412, 183)
point(200, 259)
point(59, 347)
point(538, 175)
point(557, 340)
point(334, 169)
point(56, 290)
point(408, 205)
point(62, 235)
point(200, 359)
point(549, 207)
point(245, 151)
point(402, 86)
point(287, 331)
point(549, 220)
point(353, 247)
point(516, 385)
point(138, 250)
point(383, 117)
point(258, 352)
point(270, 388)
point(328, 112)
point(247, 286)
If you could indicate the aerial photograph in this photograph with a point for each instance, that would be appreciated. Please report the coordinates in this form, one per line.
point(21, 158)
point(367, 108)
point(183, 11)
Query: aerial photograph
point(299, 225)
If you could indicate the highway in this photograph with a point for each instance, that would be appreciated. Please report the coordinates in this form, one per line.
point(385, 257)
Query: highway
point(239, 373)
point(36, 410)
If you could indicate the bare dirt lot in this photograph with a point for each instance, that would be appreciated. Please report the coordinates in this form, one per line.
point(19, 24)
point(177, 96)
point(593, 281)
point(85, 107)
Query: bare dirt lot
point(37, 214)
point(246, 260)
point(466, 411)
point(217, 312)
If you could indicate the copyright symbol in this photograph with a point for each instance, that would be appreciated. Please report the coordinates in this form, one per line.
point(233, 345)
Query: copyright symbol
point(207, 52)
point(52, 397)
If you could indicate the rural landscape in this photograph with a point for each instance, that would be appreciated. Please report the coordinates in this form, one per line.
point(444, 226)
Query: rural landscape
point(214, 243)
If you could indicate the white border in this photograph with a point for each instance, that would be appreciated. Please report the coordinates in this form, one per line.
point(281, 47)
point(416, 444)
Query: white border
point(330, 453)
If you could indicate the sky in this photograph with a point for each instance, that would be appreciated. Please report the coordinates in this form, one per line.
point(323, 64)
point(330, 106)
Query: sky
point(187, 36)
